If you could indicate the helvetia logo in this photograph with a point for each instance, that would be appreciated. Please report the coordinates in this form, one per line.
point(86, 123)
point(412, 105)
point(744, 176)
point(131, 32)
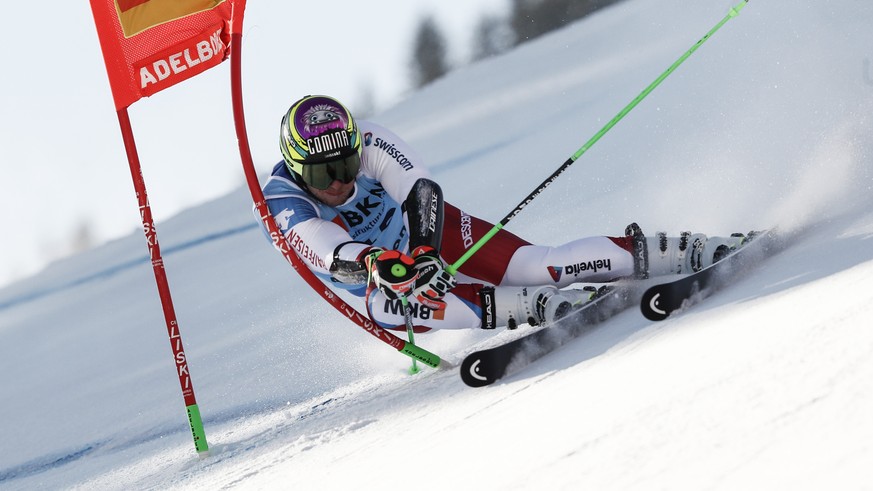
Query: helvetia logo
point(583, 267)
point(555, 272)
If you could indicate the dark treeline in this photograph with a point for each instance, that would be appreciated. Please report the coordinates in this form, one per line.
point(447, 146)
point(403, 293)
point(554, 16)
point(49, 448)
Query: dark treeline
point(494, 34)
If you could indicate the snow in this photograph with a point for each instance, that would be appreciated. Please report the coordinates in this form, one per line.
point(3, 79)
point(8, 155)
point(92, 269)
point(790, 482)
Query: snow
point(765, 385)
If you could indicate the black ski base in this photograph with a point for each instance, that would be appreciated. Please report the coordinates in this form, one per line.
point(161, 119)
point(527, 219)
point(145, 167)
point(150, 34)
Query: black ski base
point(484, 367)
point(659, 301)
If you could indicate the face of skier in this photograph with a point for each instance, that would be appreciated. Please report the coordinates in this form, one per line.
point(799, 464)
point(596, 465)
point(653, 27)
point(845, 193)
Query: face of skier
point(335, 194)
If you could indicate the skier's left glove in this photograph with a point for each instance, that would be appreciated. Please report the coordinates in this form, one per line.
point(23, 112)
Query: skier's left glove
point(433, 282)
point(392, 272)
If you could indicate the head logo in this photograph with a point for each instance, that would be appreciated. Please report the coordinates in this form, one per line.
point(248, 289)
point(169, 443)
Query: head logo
point(555, 272)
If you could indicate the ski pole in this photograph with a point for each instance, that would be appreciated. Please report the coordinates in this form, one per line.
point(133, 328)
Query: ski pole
point(453, 268)
point(410, 331)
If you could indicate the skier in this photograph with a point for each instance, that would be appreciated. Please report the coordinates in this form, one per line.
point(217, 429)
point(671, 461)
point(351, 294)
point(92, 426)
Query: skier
point(360, 208)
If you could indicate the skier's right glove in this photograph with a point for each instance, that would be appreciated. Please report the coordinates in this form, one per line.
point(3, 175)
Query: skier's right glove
point(392, 272)
point(434, 282)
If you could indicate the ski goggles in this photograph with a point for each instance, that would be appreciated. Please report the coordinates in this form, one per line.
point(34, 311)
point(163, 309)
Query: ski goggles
point(320, 176)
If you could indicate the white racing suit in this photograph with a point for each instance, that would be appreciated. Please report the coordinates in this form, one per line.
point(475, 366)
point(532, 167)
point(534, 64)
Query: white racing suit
point(373, 216)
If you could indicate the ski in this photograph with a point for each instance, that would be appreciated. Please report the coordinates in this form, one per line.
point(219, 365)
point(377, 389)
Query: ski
point(659, 301)
point(484, 367)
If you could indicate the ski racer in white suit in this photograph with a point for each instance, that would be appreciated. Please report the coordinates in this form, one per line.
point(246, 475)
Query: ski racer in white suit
point(354, 199)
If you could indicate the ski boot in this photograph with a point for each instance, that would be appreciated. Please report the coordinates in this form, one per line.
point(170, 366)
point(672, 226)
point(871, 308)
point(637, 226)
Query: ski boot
point(688, 253)
point(511, 306)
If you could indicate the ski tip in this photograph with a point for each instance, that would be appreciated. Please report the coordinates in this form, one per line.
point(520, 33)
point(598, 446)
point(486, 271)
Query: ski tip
point(475, 373)
point(652, 307)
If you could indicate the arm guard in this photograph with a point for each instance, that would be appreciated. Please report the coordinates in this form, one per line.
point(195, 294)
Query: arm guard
point(424, 212)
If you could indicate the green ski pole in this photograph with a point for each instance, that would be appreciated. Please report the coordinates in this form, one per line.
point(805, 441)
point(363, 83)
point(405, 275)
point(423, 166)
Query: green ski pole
point(453, 268)
point(410, 331)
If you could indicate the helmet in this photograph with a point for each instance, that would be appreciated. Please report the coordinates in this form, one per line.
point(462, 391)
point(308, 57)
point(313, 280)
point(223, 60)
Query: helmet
point(320, 141)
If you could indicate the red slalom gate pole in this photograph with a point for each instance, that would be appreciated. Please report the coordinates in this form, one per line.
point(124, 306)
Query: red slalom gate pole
point(194, 419)
point(280, 242)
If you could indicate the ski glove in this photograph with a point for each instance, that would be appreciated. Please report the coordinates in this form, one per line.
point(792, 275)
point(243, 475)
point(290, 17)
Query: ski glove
point(392, 272)
point(433, 282)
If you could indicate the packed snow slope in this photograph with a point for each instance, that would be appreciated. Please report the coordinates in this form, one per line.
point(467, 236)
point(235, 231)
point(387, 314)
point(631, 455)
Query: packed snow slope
point(766, 385)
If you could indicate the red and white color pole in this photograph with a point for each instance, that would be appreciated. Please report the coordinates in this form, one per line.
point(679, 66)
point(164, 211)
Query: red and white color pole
point(151, 235)
point(148, 46)
point(280, 242)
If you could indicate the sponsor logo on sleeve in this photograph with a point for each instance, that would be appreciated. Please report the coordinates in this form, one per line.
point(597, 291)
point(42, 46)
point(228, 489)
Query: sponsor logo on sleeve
point(283, 219)
point(394, 153)
point(305, 252)
point(466, 230)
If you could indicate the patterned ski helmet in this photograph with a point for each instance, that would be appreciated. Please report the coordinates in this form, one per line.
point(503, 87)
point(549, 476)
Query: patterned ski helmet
point(320, 141)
